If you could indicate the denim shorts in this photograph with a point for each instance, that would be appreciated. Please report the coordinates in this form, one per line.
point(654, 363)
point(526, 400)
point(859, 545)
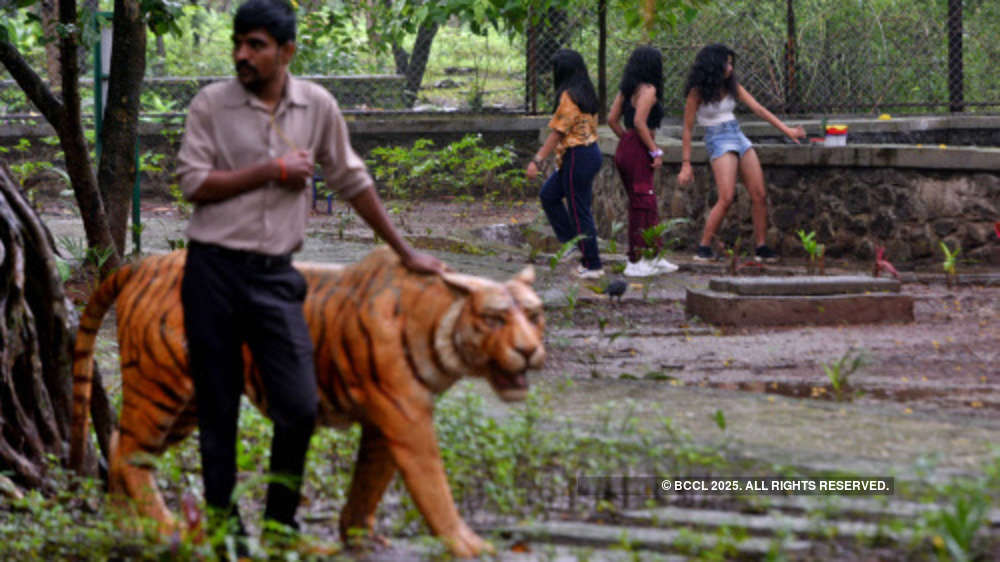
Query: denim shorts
point(725, 137)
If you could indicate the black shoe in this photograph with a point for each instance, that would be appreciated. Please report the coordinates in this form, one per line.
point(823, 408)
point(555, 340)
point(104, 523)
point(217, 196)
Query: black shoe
point(704, 253)
point(765, 254)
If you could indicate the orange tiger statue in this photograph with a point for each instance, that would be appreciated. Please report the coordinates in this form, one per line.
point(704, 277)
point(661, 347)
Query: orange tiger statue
point(386, 341)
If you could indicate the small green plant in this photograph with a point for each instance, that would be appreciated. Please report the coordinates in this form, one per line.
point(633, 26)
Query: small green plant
point(572, 299)
point(720, 419)
point(563, 250)
point(180, 201)
point(813, 248)
point(652, 235)
point(955, 528)
point(616, 227)
point(839, 372)
point(949, 263)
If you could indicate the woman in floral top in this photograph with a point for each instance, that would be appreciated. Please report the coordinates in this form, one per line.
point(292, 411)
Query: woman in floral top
point(574, 140)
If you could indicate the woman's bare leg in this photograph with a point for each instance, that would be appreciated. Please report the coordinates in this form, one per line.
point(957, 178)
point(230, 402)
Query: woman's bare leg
point(724, 171)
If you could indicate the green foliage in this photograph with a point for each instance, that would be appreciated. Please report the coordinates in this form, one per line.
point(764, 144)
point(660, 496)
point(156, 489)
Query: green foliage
point(720, 419)
point(525, 463)
point(950, 258)
point(162, 16)
point(327, 41)
point(666, 13)
point(616, 227)
point(956, 530)
point(814, 249)
point(839, 372)
point(654, 233)
point(464, 168)
point(563, 250)
point(180, 201)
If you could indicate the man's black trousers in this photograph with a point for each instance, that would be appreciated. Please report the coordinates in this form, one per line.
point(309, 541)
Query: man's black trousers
point(230, 298)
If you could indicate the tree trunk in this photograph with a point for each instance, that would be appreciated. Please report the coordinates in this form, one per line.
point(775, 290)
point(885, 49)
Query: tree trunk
point(117, 168)
point(49, 14)
point(412, 65)
point(160, 64)
point(36, 337)
point(37, 332)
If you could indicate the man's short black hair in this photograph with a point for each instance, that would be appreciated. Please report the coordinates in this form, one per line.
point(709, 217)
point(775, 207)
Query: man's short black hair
point(277, 17)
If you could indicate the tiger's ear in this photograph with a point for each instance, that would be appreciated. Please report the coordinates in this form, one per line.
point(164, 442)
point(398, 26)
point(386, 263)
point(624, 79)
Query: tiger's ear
point(462, 282)
point(526, 276)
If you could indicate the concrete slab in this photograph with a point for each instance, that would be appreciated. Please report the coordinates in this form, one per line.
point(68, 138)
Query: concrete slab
point(740, 310)
point(663, 540)
point(803, 286)
point(770, 523)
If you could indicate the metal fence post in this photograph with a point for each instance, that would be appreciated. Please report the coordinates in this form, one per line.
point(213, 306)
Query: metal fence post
point(956, 72)
point(531, 65)
point(602, 59)
point(791, 54)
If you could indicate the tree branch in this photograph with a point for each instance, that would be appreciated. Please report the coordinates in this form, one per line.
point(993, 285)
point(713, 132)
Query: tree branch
point(32, 84)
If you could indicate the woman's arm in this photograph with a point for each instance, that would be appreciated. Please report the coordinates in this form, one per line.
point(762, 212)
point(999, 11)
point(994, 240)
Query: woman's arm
point(762, 112)
point(547, 147)
point(645, 100)
point(690, 110)
point(615, 115)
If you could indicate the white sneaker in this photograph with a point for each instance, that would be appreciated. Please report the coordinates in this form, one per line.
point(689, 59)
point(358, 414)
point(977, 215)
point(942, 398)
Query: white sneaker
point(641, 268)
point(584, 273)
point(663, 265)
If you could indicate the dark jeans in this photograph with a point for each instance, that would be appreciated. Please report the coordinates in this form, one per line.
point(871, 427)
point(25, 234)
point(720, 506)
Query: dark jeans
point(634, 165)
point(231, 298)
point(574, 182)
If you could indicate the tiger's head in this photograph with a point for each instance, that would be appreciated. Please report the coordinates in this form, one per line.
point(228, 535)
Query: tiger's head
point(494, 332)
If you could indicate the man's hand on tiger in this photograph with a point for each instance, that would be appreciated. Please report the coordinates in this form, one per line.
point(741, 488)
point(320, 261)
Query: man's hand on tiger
point(422, 263)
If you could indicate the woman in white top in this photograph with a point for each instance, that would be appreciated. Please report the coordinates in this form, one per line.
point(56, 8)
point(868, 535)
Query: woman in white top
point(712, 92)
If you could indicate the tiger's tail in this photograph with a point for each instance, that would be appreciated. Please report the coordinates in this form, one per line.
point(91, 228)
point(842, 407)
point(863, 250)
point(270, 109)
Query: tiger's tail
point(83, 359)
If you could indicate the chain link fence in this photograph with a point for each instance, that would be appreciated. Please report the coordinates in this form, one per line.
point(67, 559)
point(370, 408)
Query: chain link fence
point(794, 56)
point(821, 56)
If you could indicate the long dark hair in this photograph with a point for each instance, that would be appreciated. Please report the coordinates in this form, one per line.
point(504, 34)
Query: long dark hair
point(707, 73)
point(569, 74)
point(644, 66)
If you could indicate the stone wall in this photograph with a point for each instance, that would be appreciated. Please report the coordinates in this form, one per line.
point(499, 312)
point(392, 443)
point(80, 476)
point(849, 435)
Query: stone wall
point(851, 208)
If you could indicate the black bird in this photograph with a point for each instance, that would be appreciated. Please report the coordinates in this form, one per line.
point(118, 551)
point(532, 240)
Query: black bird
point(616, 288)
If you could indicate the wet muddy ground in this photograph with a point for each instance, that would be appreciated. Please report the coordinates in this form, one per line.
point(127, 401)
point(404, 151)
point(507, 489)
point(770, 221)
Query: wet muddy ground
point(927, 389)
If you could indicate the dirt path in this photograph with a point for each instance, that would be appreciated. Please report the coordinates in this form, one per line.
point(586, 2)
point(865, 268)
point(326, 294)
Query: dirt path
point(939, 376)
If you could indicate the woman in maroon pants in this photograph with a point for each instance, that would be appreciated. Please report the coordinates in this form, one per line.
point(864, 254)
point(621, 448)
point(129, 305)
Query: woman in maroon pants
point(639, 101)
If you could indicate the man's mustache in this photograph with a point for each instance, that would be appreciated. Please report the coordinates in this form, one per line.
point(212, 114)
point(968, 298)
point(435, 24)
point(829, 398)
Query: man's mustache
point(245, 65)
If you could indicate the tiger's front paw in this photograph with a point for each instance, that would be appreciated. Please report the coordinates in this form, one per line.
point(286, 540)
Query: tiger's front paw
point(464, 543)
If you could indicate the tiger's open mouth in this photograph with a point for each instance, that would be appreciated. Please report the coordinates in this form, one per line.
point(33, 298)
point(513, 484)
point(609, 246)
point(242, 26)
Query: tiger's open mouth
point(510, 387)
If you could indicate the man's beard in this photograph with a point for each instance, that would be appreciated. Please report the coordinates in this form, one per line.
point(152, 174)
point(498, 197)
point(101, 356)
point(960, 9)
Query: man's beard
point(250, 79)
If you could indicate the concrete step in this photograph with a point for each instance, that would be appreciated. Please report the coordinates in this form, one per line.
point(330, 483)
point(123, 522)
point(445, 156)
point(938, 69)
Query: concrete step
point(865, 508)
point(804, 286)
point(737, 310)
point(771, 523)
point(644, 538)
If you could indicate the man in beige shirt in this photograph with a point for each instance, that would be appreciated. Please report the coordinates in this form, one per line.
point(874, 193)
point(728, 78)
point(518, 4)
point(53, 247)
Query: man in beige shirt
point(249, 150)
